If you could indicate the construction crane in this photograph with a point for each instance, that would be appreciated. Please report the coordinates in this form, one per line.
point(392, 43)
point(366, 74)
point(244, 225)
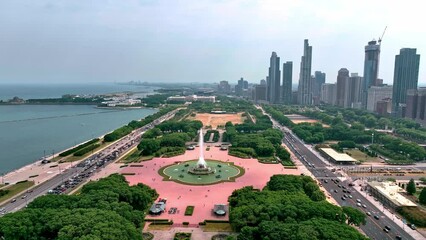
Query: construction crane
point(381, 38)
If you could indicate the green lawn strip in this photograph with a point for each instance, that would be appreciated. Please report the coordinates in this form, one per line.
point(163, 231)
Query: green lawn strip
point(131, 156)
point(15, 189)
point(189, 210)
point(360, 156)
point(217, 227)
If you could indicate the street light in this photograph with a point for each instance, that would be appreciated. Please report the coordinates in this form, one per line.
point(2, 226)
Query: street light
point(372, 138)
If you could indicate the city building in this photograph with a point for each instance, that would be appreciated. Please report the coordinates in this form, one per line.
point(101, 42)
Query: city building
point(405, 77)
point(317, 80)
point(239, 88)
point(355, 85)
point(384, 107)
point(274, 79)
point(389, 194)
point(305, 81)
point(329, 93)
point(371, 69)
point(259, 93)
point(338, 158)
point(263, 82)
point(342, 88)
point(224, 87)
point(192, 98)
point(375, 94)
point(416, 105)
point(287, 82)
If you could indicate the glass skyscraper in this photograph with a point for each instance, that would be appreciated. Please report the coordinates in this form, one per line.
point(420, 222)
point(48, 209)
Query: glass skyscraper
point(287, 82)
point(405, 77)
point(304, 93)
point(371, 69)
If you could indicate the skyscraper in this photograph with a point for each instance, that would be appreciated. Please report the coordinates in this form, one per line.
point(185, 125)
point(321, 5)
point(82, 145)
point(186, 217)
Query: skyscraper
point(342, 87)
point(287, 82)
point(328, 93)
point(318, 81)
point(405, 77)
point(274, 79)
point(371, 69)
point(416, 105)
point(355, 83)
point(305, 82)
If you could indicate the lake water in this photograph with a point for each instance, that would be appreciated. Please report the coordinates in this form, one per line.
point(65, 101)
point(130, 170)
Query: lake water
point(27, 132)
point(27, 91)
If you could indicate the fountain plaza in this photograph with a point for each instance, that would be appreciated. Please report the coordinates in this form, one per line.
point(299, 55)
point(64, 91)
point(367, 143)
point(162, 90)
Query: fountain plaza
point(198, 187)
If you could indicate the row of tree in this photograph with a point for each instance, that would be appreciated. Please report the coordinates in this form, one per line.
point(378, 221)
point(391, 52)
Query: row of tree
point(125, 130)
point(291, 207)
point(106, 209)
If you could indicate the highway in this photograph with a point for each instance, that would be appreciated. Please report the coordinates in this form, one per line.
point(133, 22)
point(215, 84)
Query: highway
point(374, 228)
point(77, 175)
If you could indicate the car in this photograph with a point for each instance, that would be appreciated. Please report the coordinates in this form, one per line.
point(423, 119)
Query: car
point(376, 217)
point(388, 228)
point(358, 204)
point(358, 200)
point(398, 237)
point(368, 213)
point(326, 181)
point(13, 200)
point(412, 226)
point(364, 206)
point(343, 198)
point(350, 196)
point(335, 191)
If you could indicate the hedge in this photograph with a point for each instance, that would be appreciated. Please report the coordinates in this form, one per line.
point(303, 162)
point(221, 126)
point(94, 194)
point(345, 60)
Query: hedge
point(86, 150)
point(189, 210)
point(81, 146)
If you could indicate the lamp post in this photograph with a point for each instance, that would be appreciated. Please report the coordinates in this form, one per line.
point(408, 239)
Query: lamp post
point(372, 138)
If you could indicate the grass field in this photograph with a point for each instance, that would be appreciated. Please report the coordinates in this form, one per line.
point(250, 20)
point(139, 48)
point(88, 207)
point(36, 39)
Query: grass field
point(362, 157)
point(217, 227)
point(16, 189)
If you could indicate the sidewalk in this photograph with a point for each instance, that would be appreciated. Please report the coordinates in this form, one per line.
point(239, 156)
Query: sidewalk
point(415, 234)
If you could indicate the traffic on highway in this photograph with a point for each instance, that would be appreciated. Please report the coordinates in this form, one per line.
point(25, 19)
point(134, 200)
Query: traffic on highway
point(71, 178)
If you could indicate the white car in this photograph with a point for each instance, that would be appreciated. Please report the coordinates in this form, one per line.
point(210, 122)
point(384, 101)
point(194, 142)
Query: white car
point(358, 204)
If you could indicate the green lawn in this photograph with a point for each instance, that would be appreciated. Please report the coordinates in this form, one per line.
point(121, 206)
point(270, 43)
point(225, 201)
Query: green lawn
point(360, 156)
point(217, 227)
point(16, 189)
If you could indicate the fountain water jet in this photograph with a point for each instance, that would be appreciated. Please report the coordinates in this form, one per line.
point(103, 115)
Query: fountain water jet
point(201, 168)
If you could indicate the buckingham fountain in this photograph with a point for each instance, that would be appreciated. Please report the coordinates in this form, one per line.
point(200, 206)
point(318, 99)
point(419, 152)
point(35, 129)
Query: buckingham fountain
point(201, 167)
point(201, 171)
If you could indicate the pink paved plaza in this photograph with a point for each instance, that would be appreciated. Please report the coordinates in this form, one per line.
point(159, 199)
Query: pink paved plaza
point(202, 197)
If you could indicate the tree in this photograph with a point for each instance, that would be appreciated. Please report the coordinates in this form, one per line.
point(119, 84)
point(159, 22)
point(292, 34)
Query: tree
point(422, 196)
point(354, 216)
point(149, 146)
point(411, 187)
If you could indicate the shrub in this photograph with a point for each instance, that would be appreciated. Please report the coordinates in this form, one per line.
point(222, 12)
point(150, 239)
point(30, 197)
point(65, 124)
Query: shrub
point(189, 210)
point(81, 146)
point(86, 150)
point(414, 215)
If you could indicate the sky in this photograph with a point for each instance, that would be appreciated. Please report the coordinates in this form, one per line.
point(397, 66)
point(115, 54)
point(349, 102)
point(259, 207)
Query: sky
point(198, 40)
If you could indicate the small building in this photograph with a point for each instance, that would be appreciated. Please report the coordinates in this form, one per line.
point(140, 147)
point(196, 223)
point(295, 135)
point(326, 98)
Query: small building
point(338, 158)
point(220, 209)
point(389, 194)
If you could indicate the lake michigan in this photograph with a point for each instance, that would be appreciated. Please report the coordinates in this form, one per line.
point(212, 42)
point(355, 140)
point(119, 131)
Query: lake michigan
point(27, 132)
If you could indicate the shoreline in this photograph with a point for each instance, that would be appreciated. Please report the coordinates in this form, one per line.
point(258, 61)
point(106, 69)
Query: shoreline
point(37, 163)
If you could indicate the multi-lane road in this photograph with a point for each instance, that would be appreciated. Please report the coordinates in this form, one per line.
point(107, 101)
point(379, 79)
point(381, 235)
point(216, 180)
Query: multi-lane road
point(376, 220)
point(73, 177)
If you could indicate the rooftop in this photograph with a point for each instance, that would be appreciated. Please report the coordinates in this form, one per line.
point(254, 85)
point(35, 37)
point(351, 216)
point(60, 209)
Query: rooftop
point(391, 191)
point(339, 157)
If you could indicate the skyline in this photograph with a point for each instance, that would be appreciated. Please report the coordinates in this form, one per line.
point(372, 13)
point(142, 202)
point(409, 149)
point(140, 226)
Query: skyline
point(205, 41)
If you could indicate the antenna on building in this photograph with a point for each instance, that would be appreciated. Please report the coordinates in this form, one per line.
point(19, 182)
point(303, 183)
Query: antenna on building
point(381, 38)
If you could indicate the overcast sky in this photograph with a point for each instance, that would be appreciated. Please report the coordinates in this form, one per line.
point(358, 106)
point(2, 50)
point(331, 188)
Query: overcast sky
point(198, 40)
